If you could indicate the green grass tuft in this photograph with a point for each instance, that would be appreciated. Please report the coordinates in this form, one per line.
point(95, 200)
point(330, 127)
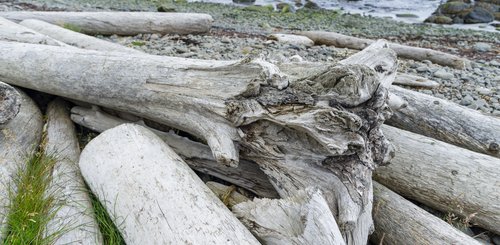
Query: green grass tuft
point(31, 207)
point(138, 43)
point(110, 233)
point(72, 27)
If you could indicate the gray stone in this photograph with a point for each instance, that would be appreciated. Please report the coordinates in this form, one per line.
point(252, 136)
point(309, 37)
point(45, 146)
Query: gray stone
point(478, 15)
point(494, 63)
point(482, 47)
point(467, 100)
point(484, 91)
point(444, 74)
point(422, 69)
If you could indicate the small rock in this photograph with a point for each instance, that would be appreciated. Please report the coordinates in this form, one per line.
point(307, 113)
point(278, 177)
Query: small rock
point(154, 37)
point(483, 91)
point(444, 74)
point(494, 63)
point(482, 47)
point(422, 69)
point(441, 19)
point(478, 15)
point(467, 100)
point(311, 5)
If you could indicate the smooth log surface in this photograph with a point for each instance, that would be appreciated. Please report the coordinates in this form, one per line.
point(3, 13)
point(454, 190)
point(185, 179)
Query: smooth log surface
point(304, 218)
point(144, 183)
point(74, 213)
point(447, 121)
point(408, 52)
point(18, 139)
point(120, 23)
point(414, 81)
point(443, 176)
point(74, 38)
point(398, 221)
point(198, 156)
point(292, 39)
point(10, 103)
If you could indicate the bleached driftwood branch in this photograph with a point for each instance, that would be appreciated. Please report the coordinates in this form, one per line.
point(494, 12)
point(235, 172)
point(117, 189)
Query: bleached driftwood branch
point(447, 121)
point(120, 23)
point(18, 139)
point(415, 81)
point(160, 200)
point(10, 31)
point(292, 39)
point(403, 51)
point(304, 218)
point(74, 214)
point(444, 177)
point(398, 221)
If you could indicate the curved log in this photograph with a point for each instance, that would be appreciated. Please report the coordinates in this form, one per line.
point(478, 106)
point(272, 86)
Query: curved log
point(74, 214)
point(140, 180)
point(10, 103)
point(408, 52)
point(302, 219)
point(447, 121)
point(444, 177)
point(18, 139)
point(398, 221)
point(120, 23)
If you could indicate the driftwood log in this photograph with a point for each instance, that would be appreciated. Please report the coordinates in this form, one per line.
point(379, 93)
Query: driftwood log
point(160, 200)
point(18, 139)
point(10, 103)
point(74, 213)
point(447, 121)
point(10, 31)
point(74, 38)
point(120, 23)
point(444, 177)
point(197, 155)
point(302, 219)
point(298, 128)
point(409, 80)
point(398, 221)
point(292, 39)
point(403, 51)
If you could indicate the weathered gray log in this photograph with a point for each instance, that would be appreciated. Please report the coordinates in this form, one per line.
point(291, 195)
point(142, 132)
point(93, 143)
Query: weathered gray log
point(160, 200)
point(408, 52)
point(298, 127)
point(414, 81)
point(73, 210)
point(74, 38)
point(120, 23)
point(398, 221)
point(10, 31)
point(197, 155)
point(18, 139)
point(302, 219)
point(10, 103)
point(444, 177)
point(447, 121)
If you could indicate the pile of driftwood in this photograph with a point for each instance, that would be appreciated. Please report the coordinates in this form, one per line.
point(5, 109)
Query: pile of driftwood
point(303, 137)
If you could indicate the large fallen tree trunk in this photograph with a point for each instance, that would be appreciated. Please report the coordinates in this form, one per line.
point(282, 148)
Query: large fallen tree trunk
point(302, 219)
point(408, 52)
point(10, 31)
point(398, 221)
point(299, 128)
point(18, 139)
point(447, 121)
point(74, 38)
point(73, 210)
point(197, 155)
point(10, 103)
point(444, 177)
point(141, 180)
point(120, 23)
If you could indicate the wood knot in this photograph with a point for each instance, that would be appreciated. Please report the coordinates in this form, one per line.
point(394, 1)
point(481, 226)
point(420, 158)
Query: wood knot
point(494, 147)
